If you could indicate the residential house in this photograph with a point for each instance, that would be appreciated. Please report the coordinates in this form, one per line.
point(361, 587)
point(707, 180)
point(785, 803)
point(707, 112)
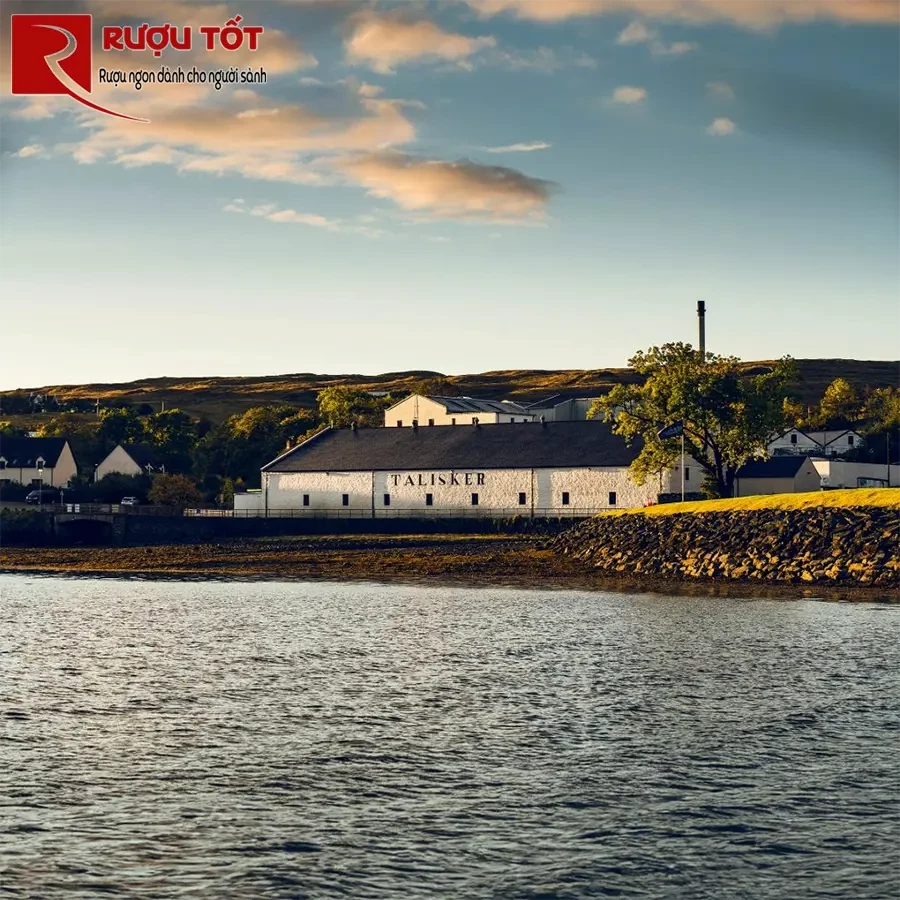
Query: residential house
point(814, 443)
point(129, 459)
point(29, 460)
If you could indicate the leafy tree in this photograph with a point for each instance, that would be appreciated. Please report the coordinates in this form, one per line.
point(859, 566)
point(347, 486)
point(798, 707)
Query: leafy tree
point(120, 425)
point(113, 487)
point(177, 491)
point(69, 425)
point(172, 432)
point(244, 442)
point(839, 403)
point(15, 404)
point(881, 410)
point(342, 407)
point(728, 417)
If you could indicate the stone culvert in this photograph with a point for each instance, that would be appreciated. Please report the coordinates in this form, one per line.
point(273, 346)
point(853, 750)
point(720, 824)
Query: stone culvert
point(820, 545)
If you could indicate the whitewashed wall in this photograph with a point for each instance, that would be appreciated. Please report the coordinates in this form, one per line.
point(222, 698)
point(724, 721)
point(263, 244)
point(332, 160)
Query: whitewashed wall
point(840, 474)
point(589, 489)
point(422, 410)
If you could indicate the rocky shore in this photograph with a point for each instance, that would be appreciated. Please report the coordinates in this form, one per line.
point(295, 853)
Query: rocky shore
point(813, 546)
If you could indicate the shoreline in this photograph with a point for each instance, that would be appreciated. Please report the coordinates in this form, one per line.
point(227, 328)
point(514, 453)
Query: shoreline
point(475, 561)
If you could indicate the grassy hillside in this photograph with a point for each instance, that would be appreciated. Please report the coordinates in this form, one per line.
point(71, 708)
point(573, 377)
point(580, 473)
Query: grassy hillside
point(854, 498)
point(218, 397)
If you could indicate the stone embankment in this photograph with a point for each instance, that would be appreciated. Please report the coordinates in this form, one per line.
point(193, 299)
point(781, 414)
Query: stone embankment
point(851, 546)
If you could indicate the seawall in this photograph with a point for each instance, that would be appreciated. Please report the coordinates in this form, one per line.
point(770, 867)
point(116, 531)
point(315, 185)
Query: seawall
point(815, 545)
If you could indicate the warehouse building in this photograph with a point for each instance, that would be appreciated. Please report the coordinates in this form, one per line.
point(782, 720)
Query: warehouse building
point(419, 410)
point(531, 469)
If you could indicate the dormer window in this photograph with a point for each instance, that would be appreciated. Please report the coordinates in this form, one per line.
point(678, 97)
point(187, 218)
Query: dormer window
point(39, 462)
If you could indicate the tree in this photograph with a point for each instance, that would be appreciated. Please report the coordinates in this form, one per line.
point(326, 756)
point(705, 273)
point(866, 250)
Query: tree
point(172, 432)
point(70, 425)
point(120, 425)
point(177, 491)
point(113, 487)
point(342, 407)
point(839, 403)
point(728, 417)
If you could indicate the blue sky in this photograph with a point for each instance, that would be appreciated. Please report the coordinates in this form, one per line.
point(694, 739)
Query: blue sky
point(461, 186)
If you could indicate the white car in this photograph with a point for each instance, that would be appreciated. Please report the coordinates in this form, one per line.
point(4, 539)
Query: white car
point(129, 501)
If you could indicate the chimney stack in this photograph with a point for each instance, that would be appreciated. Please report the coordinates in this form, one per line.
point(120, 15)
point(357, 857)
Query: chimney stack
point(701, 325)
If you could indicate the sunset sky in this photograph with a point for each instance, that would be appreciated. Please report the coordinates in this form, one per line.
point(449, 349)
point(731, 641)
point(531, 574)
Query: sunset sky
point(459, 186)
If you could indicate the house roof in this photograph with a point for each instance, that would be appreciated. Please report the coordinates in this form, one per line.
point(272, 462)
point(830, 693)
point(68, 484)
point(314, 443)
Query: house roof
point(472, 404)
point(822, 438)
point(23, 452)
point(142, 454)
point(776, 467)
point(523, 445)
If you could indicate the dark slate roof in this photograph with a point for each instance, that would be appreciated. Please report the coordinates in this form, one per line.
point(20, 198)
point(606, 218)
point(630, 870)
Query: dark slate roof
point(472, 404)
point(22, 452)
point(514, 446)
point(142, 454)
point(776, 467)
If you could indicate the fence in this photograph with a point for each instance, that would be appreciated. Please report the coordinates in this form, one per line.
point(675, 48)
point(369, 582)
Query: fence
point(463, 512)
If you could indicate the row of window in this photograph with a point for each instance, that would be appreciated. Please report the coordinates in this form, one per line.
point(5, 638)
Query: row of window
point(429, 499)
point(452, 421)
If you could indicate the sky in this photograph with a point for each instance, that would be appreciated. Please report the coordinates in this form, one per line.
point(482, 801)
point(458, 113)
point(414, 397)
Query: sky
point(457, 186)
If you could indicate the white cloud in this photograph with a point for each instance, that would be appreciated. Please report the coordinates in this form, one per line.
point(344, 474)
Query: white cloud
point(629, 94)
point(635, 33)
point(436, 189)
point(677, 48)
point(721, 127)
point(297, 218)
point(30, 150)
point(386, 41)
point(520, 148)
point(720, 89)
point(753, 14)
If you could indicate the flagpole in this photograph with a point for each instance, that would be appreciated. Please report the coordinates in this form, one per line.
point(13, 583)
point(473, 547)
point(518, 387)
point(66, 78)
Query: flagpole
point(682, 465)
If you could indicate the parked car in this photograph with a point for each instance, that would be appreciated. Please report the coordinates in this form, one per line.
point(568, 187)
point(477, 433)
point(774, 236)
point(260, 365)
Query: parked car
point(129, 501)
point(45, 495)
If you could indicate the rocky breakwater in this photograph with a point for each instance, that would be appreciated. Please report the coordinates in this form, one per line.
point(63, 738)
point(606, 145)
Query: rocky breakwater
point(853, 546)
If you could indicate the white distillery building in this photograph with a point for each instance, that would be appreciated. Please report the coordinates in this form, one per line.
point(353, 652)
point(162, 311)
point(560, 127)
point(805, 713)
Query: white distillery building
point(814, 443)
point(529, 469)
point(418, 410)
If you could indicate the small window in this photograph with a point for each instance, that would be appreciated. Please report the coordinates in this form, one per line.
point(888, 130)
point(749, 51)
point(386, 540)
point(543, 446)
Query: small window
point(37, 482)
point(431, 421)
point(306, 499)
point(2, 463)
point(850, 440)
point(565, 498)
point(453, 421)
point(474, 420)
point(429, 499)
point(345, 499)
point(687, 473)
point(474, 499)
point(387, 499)
point(522, 500)
point(399, 423)
point(793, 438)
point(612, 498)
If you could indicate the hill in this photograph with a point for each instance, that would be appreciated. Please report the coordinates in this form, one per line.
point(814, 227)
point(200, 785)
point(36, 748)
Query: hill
point(218, 397)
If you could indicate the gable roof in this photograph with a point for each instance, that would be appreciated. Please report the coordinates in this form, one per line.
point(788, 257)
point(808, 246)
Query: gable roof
point(143, 454)
point(822, 438)
point(523, 445)
point(776, 467)
point(23, 452)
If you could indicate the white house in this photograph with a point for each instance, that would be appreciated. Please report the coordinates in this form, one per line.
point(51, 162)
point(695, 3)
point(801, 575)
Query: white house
point(778, 475)
point(129, 459)
point(529, 469)
point(454, 411)
point(47, 461)
point(814, 443)
point(838, 473)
